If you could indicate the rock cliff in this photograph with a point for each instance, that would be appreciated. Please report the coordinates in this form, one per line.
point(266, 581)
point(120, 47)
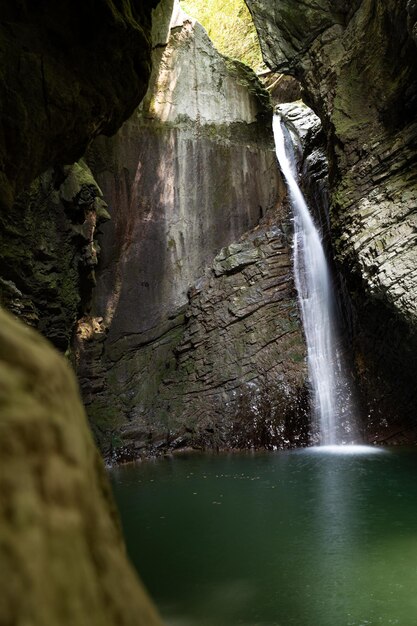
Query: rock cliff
point(188, 174)
point(357, 64)
point(69, 71)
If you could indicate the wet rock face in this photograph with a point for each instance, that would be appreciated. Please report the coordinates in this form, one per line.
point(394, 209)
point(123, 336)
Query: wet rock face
point(227, 371)
point(240, 364)
point(61, 549)
point(188, 174)
point(359, 72)
point(70, 70)
point(192, 170)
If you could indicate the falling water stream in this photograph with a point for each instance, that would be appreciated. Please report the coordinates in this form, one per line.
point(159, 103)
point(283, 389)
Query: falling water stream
point(313, 283)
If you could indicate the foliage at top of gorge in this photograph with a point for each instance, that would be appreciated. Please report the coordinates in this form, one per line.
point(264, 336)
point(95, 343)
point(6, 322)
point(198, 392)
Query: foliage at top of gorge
point(229, 25)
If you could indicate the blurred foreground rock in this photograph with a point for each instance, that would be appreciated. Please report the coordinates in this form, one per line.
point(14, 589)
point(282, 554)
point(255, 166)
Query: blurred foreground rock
point(62, 556)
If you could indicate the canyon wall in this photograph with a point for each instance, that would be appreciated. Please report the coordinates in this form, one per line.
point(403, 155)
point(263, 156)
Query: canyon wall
point(357, 64)
point(48, 243)
point(191, 171)
point(70, 70)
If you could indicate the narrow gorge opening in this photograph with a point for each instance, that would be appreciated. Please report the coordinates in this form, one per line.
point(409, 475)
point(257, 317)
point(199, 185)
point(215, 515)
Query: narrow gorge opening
point(147, 233)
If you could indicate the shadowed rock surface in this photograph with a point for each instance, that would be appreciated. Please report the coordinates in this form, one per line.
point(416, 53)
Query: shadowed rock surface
point(48, 237)
point(49, 251)
point(357, 63)
point(70, 70)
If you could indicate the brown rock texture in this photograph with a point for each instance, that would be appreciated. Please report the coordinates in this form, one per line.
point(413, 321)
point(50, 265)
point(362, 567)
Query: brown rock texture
point(62, 554)
point(357, 63)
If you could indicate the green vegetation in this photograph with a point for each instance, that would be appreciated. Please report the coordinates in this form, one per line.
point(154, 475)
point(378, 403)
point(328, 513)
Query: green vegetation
point(229, 25)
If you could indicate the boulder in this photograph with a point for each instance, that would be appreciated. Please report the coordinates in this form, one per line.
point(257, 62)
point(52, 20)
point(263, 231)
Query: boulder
point(61, 549)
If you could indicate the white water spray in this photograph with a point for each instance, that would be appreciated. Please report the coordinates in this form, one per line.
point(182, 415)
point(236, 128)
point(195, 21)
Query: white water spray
point(313, 283)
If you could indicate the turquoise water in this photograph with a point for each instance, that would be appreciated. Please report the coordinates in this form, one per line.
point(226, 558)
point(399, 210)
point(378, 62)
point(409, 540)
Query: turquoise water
point(305, 538)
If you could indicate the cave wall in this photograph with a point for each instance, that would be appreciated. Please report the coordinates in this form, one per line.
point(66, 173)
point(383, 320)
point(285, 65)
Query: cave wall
point(191, 171)
point(357, 64)
point(69, 71)
point(49, 250)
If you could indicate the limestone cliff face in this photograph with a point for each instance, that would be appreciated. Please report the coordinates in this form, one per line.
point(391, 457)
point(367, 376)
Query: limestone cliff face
point(188, 174)
point(192, 170)
point(357, 63)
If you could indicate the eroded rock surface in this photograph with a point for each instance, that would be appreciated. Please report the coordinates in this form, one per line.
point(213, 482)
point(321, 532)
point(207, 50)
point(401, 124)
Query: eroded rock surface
point(49, 250)
point(228, 370)
point(357, 63)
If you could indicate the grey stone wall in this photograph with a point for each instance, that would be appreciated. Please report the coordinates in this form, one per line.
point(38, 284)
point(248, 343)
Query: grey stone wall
point(187, 175)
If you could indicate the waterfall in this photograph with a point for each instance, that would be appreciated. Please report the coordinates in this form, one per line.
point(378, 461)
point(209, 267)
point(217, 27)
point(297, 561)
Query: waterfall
point(313, 283)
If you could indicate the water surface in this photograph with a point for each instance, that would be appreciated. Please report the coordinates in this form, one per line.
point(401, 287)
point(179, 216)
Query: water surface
point(304, 538)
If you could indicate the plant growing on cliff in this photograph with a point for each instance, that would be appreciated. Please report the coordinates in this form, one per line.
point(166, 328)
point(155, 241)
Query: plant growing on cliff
point(229, 25)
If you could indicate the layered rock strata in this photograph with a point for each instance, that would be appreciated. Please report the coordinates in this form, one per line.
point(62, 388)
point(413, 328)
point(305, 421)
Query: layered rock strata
point(228, 370)
point(189, 173)
point(357, 63)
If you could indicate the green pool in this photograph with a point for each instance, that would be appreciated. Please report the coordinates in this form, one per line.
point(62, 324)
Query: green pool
point(303, 538)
